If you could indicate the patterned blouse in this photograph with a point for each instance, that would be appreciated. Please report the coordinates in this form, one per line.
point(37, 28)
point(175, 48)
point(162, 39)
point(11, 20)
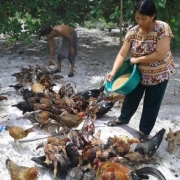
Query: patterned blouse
point(154, 72)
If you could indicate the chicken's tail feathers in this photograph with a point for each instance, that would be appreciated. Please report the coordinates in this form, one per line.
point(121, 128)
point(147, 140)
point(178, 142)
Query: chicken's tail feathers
point(7, 128)
point(30, 130)
point(161, 132)
point(14, 105)
point(144, 172)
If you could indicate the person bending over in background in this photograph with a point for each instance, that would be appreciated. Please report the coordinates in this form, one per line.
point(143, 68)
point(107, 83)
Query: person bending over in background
point(67, 48)
point(149, 44)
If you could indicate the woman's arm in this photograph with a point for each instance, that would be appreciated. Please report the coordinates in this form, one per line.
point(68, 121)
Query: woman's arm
point(159, 54)
point(123, 52)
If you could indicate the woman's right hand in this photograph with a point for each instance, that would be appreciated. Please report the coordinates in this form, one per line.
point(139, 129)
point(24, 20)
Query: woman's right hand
point(109, 76)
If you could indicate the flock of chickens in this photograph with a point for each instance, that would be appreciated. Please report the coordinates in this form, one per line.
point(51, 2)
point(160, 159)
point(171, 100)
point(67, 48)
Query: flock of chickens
point(80, 153)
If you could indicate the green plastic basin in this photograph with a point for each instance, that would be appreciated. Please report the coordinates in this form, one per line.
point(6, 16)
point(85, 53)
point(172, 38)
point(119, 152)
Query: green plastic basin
point(130, 84)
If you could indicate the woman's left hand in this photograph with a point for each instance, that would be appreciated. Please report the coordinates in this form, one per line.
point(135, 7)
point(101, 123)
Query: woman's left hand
point(134, 60)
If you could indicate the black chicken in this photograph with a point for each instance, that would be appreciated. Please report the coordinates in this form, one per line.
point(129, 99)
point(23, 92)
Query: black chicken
point(17, 86)
point(64, 163)
point(24, 106)
point(104, 107)
point(86, 94)
point(26, 93)
point(143, 173)
point(82, 173)
point(149, 147)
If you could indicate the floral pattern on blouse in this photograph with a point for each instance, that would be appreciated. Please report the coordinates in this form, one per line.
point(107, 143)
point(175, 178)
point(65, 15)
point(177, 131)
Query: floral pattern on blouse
point(156, 72)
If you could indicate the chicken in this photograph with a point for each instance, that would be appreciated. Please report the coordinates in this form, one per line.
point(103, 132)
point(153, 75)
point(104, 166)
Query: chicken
point(3, 98)
point(26, 93)
point(112, 171)
point(76, 139)
point(86, 94)
point(65, 161)
point(82, 173)
point(62, 91)
point(99, 109)
point(51, 153)
point(89, 126)
point(122, 144)
point(88, 155)
point(42, 117)
point(55, 141)
point(18, 172)
point(144, 172)
point(17, 133)
point(136, 157)
point(76, 173)
point(104, 107)
point(69, 120)
point(17, 86)
point(24, 106)
point(149, 147)
point(36, 87)
point(96, 138)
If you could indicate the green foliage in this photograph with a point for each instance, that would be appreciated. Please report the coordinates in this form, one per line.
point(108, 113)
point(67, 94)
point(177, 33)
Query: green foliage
point(20, 19)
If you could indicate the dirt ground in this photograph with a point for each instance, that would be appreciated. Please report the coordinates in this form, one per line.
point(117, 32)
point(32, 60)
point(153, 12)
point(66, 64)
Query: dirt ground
point(96, 53)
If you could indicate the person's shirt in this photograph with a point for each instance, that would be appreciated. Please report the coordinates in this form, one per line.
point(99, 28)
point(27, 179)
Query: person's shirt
point(155, 72)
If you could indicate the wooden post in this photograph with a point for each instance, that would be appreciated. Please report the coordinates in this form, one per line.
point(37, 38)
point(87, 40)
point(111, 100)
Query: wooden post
point(121, 21)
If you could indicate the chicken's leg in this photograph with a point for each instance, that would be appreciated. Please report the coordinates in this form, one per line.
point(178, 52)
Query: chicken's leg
point(55, 169)
point(17, 144)
point(47, 161)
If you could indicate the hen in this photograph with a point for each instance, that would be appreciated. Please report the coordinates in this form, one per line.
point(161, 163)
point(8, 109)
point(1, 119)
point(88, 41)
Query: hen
point(69, 120)
point(21, 172)
point(64, 162)
point(17, 132)
point(122, 144)
point(149, 147)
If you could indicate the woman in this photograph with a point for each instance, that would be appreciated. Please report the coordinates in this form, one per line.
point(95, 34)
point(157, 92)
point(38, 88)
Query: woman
point(149, 44)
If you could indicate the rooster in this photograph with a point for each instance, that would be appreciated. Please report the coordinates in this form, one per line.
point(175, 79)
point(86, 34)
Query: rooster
point(149, 147)
point(21, 172)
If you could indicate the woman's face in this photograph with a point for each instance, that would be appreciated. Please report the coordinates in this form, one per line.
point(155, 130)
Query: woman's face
point(143, 21)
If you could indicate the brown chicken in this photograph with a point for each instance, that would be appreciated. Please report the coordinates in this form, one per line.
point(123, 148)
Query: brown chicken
point(17, 132)
point(21, 172)
point(122, 144)
point(52, 154)
point(36, 87)
point(42, 117)
point(57, 141)
point(112, 171)
point(69, 120)
point(3, 98)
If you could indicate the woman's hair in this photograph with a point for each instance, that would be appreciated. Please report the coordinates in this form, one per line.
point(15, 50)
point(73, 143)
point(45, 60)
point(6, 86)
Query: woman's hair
point(46, 29)
point(146, 7)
